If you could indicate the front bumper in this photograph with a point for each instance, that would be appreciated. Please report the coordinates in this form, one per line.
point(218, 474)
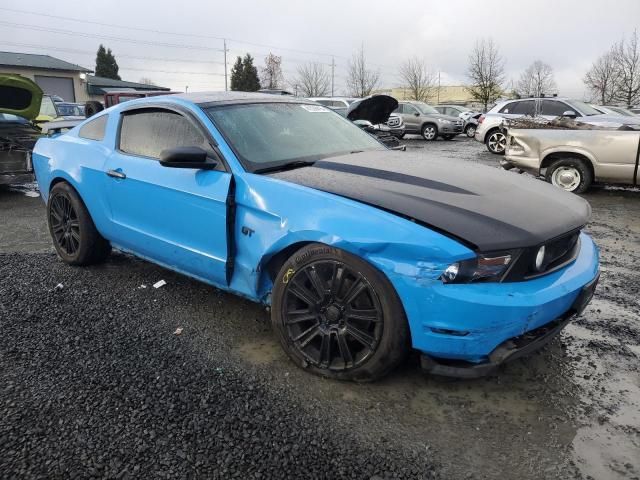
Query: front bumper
point(512, 348)
point(468, 322)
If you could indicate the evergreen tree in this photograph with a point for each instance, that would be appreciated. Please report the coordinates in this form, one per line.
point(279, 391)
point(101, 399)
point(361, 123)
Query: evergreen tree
point(106, 65)
point(237, 75)
point(250, 74)
point(244, 75)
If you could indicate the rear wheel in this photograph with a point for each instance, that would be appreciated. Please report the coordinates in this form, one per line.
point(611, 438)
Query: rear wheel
point(337, 316)
point(470, 130)
point(429, 132)
point(496, 142)
point(570, 174)
point(74, 234)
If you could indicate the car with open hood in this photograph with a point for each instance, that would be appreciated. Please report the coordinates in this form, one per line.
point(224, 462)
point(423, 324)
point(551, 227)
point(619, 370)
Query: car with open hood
point(20, 100)
point(374, 115)
point(361, 252)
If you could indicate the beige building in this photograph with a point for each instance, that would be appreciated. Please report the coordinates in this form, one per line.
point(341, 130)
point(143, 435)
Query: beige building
point(449, 94)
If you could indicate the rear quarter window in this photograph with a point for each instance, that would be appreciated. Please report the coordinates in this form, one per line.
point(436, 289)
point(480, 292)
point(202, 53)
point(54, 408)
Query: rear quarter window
point(94, 129)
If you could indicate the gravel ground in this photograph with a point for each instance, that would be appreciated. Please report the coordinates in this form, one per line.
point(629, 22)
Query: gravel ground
point(94, 381)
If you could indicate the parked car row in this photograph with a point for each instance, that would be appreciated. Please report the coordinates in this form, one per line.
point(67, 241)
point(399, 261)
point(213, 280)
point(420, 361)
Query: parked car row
point(445, 121)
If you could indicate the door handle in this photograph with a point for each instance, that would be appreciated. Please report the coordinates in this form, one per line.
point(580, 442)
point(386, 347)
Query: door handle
point(116, 174)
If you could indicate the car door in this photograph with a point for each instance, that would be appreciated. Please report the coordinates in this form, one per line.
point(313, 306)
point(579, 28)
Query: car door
point(411, 117)
point(174, 216)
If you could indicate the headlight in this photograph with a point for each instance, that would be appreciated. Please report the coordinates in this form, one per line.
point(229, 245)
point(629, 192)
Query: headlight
point(442, 120)
point(540, 258)
point(485, 268)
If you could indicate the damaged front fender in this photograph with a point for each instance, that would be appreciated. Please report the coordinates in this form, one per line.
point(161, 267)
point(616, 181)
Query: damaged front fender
point(399, 248)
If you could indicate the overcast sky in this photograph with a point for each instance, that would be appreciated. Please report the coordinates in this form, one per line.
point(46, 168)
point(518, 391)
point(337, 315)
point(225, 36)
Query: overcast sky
point(568, 35)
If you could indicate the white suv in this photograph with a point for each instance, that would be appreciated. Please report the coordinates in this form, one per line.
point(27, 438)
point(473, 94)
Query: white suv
point(491, 133)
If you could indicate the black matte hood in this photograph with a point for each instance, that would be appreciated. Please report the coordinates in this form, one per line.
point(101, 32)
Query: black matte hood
point(487, 208)
point(375, 109)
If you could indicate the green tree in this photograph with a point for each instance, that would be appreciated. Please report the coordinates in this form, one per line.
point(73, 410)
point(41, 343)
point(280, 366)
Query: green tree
point(244, 75)
point(106, 65)
point(251, 80)
point(237, 75)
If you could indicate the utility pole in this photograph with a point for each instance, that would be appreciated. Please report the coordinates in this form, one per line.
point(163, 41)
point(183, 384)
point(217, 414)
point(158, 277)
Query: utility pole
point(333, 69)
point(225, 64)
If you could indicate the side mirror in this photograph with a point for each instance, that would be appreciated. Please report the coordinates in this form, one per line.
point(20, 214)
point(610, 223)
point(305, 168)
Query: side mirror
point(569, 114)
point(186, 157)
point(417, 114)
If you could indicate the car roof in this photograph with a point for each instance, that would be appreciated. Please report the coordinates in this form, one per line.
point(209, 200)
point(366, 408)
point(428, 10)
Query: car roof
point(223, 98)
point(210, 99)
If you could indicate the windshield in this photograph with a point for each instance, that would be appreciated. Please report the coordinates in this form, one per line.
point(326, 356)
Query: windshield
point(584, 108)
point(272, 135)
point(426, 109)
point(621, 111)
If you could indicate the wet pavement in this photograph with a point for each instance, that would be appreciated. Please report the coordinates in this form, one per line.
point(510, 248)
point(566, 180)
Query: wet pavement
point(571, 410)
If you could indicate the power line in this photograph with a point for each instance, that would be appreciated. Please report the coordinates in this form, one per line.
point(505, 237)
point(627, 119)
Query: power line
point(107, 37)
point(120, 55)
point(164, 32)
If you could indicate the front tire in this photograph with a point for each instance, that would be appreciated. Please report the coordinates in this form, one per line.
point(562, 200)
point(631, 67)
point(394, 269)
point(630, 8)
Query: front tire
point(570, 174)
point(496, 142)
point(337, 316)
point(72, 230)
point(429, 132)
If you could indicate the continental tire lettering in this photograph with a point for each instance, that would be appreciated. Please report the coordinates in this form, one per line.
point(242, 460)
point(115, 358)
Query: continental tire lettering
point(310, 253)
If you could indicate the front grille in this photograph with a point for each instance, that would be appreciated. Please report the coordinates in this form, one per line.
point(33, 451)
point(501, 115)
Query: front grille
point(559, 252)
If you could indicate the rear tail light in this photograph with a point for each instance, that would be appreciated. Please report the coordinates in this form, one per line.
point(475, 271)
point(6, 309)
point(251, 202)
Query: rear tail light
point(481, 119)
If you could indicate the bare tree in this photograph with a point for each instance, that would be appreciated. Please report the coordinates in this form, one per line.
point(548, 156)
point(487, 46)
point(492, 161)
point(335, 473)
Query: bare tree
point(602, 78)
point(486, 71)
point(271, 73)
point(627, 59)
point(360, 80)
point(146, 81)
point(418, 79)
point(537, 80)
point(313, 80)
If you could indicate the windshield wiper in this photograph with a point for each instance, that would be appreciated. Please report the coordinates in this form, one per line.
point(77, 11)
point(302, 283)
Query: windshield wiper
point(285, 166)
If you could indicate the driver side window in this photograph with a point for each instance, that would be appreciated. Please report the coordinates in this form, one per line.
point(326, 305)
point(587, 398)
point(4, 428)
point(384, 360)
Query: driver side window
point(148, 132)
point(409, 109)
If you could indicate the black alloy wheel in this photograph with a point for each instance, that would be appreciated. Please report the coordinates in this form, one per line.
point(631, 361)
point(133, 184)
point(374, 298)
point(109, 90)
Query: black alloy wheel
point(72, 230)
point(332, 315)
point(65, 226)
point(338, 316)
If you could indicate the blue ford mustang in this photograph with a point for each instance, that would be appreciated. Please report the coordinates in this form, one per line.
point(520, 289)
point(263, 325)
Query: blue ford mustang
point(362, 252)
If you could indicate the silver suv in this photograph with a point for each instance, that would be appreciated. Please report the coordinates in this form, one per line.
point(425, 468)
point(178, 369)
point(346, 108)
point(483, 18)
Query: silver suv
point(421, 118)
